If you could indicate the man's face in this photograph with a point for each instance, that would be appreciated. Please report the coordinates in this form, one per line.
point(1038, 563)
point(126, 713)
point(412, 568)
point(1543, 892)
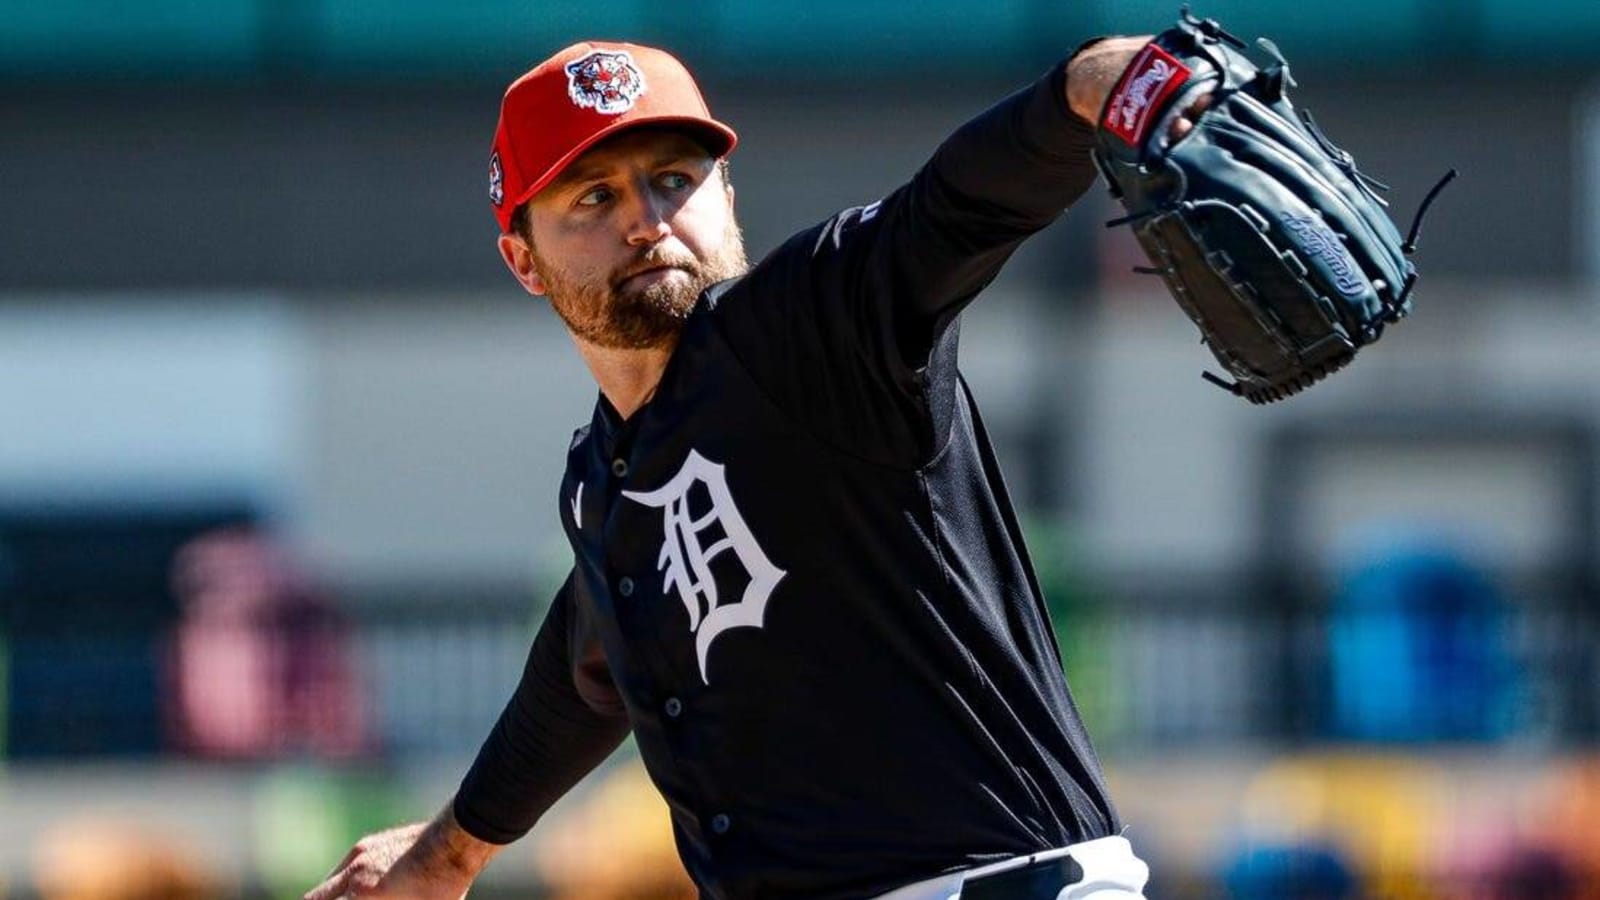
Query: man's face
point(624, 241)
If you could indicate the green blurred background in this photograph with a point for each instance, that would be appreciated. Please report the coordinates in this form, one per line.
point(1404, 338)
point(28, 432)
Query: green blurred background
point(279, 442)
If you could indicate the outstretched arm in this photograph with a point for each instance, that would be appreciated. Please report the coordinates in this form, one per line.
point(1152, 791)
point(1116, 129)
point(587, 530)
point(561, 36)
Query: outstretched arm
point(840, 325)
point(998, 179)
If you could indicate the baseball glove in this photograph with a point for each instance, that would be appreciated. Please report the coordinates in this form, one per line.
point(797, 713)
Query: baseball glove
point(1271, 240)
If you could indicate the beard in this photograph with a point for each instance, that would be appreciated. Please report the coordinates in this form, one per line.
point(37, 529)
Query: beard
point(610, 314)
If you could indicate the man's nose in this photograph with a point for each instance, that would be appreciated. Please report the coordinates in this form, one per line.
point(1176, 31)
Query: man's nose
point(648, 224)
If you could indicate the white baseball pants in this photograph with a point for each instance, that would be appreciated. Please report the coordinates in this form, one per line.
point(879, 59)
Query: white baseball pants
point(1111, 871)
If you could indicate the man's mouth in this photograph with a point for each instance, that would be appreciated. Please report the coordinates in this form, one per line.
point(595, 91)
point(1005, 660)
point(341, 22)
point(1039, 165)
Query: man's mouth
point(650, 275)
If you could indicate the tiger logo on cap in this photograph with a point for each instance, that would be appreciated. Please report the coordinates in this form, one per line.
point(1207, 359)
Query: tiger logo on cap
point(606, 81)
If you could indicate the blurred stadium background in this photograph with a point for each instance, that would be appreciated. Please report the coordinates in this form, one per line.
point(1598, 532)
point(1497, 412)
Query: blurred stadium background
point(279, 442)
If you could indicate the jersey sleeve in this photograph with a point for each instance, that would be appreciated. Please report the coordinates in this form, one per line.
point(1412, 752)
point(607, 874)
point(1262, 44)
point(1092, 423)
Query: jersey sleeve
point(848, 324)
point(564, 718)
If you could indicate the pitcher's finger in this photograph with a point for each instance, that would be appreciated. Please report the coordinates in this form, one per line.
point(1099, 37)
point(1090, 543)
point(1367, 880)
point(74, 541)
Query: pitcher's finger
point(331, 889)
point(349, 857)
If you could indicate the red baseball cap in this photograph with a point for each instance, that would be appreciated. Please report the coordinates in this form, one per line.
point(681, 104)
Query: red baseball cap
point(569, 102)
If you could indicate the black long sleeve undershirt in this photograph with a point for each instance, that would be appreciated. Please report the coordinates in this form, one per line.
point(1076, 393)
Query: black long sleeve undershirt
point(847, 326)
point(546, 740)
point(998, 179)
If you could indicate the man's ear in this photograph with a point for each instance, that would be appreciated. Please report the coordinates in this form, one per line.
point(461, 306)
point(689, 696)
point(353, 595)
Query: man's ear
point(519, 259)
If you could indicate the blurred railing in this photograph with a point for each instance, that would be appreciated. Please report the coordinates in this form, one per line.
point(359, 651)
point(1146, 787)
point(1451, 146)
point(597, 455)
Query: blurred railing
point(440, 668)
point(1252, 664)
point(1225, 663)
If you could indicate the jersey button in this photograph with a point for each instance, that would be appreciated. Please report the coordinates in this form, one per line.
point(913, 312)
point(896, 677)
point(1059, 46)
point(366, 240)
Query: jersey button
point(720, 823)
point(625, 586)
point(619, 467)
point(673, 707)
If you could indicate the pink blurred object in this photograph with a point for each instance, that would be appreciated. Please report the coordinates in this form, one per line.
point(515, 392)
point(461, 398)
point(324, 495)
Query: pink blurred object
point(260, 663)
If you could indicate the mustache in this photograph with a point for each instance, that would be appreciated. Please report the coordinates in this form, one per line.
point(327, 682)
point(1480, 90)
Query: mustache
point(655, 258)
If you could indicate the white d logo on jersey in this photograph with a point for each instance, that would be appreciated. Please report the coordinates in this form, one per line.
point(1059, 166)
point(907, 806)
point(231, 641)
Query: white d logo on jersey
point(688, 563)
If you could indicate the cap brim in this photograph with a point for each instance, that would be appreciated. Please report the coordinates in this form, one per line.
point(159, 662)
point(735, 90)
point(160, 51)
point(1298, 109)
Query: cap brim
point(719, 142)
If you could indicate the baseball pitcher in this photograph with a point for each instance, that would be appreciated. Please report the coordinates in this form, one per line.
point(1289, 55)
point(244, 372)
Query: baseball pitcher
point(797, 578)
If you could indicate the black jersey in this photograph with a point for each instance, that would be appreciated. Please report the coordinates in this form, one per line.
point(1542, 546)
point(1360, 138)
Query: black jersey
point(798, 578)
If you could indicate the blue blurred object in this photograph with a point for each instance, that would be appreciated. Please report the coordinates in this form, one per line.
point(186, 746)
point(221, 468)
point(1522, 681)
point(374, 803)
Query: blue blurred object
point(1289, 872)
point(1416, 646)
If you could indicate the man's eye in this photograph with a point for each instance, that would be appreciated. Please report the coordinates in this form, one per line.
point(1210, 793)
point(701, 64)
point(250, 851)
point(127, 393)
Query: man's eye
point(676, 181)
point(595, 197)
